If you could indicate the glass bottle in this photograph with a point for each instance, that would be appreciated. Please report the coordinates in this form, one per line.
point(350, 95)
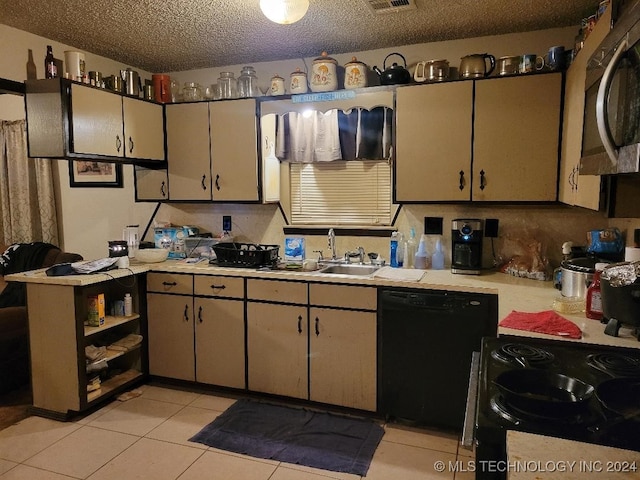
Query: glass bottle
point(227, 85)
point(594, 295)
point(50, 68)
point(248, 83)
point(31, 67)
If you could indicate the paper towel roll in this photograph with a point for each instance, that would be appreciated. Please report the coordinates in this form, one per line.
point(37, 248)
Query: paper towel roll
point(632, 254)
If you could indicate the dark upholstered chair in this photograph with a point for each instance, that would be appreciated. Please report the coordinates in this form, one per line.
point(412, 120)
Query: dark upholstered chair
point(14, 333)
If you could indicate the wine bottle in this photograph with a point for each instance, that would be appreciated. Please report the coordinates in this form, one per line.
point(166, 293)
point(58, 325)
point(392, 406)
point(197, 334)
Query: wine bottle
point(50, 68)
point(31, 67)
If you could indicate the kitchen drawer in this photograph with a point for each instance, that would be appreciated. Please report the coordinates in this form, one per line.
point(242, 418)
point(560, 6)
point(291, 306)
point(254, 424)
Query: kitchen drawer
point(170, 283)
point(212, 285)
point(277, 291)
point(343, 296)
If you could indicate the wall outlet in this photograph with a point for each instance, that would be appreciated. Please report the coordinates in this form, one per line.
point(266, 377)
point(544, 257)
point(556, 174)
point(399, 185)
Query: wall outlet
point(491, 227)
point(226, 223)
point(433, 225)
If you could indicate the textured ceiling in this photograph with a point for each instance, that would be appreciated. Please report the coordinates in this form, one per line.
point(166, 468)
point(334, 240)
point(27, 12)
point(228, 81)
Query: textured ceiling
point(164, 36)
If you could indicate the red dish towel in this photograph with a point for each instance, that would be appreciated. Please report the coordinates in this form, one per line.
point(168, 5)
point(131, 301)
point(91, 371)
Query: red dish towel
point(548, 322)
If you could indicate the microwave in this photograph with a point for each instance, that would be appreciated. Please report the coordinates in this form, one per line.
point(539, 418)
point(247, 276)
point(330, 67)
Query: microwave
point(611, 128)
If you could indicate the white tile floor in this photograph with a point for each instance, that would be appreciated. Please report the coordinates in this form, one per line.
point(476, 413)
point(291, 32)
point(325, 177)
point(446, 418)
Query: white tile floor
point(147, 438)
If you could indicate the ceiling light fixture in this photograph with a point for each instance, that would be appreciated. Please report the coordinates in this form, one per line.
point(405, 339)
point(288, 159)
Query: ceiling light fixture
point(284, 11)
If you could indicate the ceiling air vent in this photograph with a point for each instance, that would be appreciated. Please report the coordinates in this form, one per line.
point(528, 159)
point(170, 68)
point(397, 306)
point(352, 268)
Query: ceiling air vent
point(391, 6)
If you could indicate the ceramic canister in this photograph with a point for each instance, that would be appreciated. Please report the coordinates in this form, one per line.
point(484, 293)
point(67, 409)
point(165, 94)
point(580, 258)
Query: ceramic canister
point(355, 74)
point(277, 85)
point(298, 82)
point(323, 74)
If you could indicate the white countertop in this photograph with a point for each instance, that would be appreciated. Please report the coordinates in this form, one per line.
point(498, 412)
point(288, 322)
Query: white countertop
point(536, 457)
point(514, 293)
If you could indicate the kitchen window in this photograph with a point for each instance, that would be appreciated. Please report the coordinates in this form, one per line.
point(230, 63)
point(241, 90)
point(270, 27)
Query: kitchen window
point(341, 193)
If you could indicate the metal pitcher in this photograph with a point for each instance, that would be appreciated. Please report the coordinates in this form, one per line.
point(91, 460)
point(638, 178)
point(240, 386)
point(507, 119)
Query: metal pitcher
point(131, 80)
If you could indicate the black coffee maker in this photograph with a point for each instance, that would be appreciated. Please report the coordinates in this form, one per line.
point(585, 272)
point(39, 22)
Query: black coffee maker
point(466, 246)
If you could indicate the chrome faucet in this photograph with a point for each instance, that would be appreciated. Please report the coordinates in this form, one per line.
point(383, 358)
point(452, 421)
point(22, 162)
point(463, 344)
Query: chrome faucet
point(358, 253)
point(332, 243)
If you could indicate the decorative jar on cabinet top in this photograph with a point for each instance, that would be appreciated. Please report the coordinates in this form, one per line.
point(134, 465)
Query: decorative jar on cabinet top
point(277, 85)
point(355, 74)
point(298, 82)
point(323, 74)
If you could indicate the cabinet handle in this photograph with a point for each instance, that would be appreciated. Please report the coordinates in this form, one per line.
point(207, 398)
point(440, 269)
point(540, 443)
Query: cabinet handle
point(220, 287)
point(186, 313)
point(299, 323)
point(200, 314)
point(130, 145)
point(482, 180)
point(204, 177)
point(317, 329)
point(217, 182)
point(118, 143)
point(169, 284)
point(162, 191)
point(461, 187)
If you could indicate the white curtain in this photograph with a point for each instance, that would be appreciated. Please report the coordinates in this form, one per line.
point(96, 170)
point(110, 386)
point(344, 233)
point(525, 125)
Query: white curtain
point(27, 198)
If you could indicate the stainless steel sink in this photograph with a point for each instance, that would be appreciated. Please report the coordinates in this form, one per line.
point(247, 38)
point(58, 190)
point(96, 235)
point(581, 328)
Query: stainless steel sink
point(349, 269)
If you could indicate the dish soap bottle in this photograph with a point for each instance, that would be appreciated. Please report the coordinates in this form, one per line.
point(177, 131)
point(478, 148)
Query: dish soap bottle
point(393, 255)
point(128, 308)
point(401, 250)
point(437, 259)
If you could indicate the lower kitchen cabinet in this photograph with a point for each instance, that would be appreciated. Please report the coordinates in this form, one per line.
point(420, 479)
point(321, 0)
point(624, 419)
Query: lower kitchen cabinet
point(277, 349)
point(342, 356)
point(220, 331)
point(171, 351)
point(170, 314)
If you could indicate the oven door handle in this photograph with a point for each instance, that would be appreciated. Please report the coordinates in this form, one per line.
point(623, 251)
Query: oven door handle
point(601, 103)
point(468, 429)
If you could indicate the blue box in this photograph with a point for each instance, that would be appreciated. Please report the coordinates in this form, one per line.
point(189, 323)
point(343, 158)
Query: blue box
point(293, 249)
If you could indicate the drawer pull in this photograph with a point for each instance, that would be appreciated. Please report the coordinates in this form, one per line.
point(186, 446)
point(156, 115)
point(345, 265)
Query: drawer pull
point(162, 190)
point(118, 143)
point(186, 313)
point(461, 186)
point(299, 323)
point(317, 329)
point(483, 182)
point(169, 284)
point(220, 287)
point(130, 145)
point(200, 314)
point(204, 187)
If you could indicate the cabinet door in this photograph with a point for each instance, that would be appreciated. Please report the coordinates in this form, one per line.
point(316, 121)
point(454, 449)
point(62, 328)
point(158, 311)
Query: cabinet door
point(143, 129)
point(433, 142)
point(188, 151)
point(220, 342)
point(170, 324)
point(516, 134)
point(151, 184)
point(234, 150)
point(277, 349)
point(96, 122)
point(343, 358)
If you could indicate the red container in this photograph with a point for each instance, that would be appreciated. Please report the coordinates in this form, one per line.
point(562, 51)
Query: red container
point(161, 88)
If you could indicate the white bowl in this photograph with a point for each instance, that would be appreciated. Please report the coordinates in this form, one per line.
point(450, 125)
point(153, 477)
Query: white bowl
point(152, 255)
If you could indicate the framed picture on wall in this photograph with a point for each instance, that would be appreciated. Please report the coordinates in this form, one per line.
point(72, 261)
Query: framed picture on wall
point(87, 173)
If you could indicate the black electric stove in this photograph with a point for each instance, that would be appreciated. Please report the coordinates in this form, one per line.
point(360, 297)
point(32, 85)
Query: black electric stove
point(592, 364)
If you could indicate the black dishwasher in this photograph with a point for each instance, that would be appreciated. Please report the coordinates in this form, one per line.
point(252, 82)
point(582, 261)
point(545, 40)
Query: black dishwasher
point(425, 342)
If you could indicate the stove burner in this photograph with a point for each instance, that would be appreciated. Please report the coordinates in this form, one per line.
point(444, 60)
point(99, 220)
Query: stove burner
point(518, 416)
point(615, 364)
point(514, 353)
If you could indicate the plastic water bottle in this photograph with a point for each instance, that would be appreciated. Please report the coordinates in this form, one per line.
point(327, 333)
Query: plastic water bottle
point(410, 250)
point(393, 256)
point(437, 259)
point(420, 260)
point(128, 308)
point(401, 250)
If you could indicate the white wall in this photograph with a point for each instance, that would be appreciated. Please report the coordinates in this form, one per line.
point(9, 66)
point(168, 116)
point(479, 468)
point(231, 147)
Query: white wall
point(89, 217)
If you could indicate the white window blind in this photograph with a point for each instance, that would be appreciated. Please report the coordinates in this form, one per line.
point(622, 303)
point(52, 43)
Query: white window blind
point(341, 192)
